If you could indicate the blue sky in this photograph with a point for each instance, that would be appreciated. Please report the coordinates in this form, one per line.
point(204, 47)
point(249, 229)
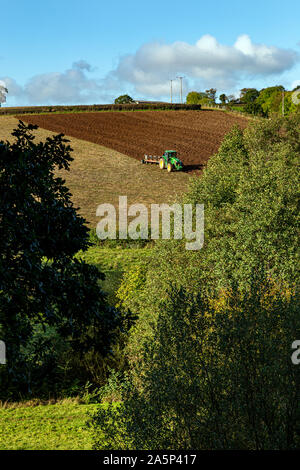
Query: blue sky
point(70, 51)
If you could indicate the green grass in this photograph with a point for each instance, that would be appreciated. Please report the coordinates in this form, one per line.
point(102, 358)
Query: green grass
point(113, 262)
point(46, 427)
point(115, 259)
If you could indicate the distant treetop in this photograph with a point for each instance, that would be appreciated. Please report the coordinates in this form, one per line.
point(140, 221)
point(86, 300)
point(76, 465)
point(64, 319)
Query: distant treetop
point(123, 99)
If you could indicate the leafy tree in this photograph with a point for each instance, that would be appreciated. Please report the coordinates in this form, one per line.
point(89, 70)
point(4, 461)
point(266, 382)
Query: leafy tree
point(247, 93)
point(210, 352)
point(289, 106)
point(194, 97)
point(223, 98)
point(231, 98)
point(250, 95)
point(270, 99)
point(124, 99)
point(40, 280)
point(250, 191)
point(217, 374)
point(211, 94)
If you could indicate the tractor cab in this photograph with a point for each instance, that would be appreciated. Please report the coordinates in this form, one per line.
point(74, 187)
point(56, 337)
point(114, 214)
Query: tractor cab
point(169, 154)
point(171, 161)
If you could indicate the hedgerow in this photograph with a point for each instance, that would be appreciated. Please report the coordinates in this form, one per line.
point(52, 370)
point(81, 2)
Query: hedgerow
point(98, 107)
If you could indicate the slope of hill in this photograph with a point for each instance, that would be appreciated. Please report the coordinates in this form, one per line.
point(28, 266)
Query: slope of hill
point(196, 135)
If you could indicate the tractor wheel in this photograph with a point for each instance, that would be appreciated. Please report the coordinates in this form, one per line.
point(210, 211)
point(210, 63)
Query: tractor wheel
point(161, 163)
point(169, 167)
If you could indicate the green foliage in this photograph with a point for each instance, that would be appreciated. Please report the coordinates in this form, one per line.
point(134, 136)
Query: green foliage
point(250, 191)
point(123, 99)
point(118, 242)
point(249, 95)
point(115, 259)
point(223, 98)
point(289, 106)
point(253, 108)
point(239, 109)
point(249, 98)
point(47, 365)
point(216, 375)
point(18, 111)
point(195, 97)
point(211, 94)
point(170, 261)
point(113, 390)
point(42, 285)
point(270, 99)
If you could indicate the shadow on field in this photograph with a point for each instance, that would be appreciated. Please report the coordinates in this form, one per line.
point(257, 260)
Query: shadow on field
point(191, 168)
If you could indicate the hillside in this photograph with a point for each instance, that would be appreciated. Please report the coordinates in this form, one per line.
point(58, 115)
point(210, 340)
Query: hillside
point(196, 135)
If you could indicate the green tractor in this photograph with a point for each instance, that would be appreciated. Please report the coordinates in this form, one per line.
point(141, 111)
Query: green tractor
point(168, 160)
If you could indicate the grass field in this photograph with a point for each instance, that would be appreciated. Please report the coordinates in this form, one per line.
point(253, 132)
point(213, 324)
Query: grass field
point(46, 427)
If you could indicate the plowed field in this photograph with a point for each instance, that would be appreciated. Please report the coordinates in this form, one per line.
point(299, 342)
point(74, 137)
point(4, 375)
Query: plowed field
point(196, 135)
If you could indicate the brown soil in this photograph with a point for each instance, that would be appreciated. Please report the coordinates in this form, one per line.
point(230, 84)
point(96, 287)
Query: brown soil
point(196, 135)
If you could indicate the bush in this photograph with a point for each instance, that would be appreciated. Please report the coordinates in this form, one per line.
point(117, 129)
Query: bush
point(217, 375)
point(209, 358)
point(250, 191)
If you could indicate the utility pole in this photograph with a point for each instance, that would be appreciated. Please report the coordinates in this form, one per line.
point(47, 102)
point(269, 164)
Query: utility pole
point(172, 80)
point(283, 103)
point(180, 78)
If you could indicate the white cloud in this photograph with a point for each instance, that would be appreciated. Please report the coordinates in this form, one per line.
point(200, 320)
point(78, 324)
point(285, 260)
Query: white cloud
point(12, 86)
point(147, 72)
point(207, 61)
point(72, 86)
point(3, 91)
